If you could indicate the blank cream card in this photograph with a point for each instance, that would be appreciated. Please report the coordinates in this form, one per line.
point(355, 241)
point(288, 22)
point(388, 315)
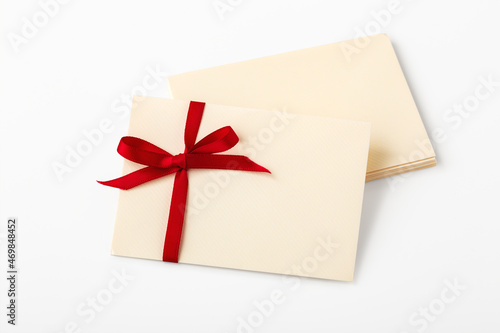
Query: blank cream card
point(302, 219)
point(359, 79)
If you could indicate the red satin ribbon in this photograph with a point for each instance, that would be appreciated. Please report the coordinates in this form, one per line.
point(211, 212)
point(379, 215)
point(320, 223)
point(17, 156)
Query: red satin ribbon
point(196, 156)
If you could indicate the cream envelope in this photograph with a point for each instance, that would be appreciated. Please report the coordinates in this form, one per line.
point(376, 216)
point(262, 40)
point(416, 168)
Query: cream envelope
point(302, 219)
point(359, 79)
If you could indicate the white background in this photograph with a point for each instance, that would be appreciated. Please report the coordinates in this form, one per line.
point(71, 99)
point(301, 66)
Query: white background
point(417, 232)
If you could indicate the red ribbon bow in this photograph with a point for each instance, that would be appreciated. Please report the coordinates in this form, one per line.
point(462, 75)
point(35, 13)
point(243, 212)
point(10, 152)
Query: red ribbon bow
point(196, 156)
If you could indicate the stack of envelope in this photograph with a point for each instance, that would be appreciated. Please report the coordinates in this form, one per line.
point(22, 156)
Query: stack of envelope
point(321, 120)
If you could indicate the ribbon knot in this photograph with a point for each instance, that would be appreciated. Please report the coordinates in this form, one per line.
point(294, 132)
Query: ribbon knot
point(179, 160)
point(160, 163)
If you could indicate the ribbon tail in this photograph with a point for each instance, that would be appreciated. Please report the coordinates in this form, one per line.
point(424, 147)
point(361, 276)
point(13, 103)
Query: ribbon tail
point(176, 217)
point(138, 177)
point(228, 162)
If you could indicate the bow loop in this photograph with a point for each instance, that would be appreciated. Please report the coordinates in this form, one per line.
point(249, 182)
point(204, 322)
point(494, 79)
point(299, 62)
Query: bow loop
point(143, 152)
point(216, 142)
